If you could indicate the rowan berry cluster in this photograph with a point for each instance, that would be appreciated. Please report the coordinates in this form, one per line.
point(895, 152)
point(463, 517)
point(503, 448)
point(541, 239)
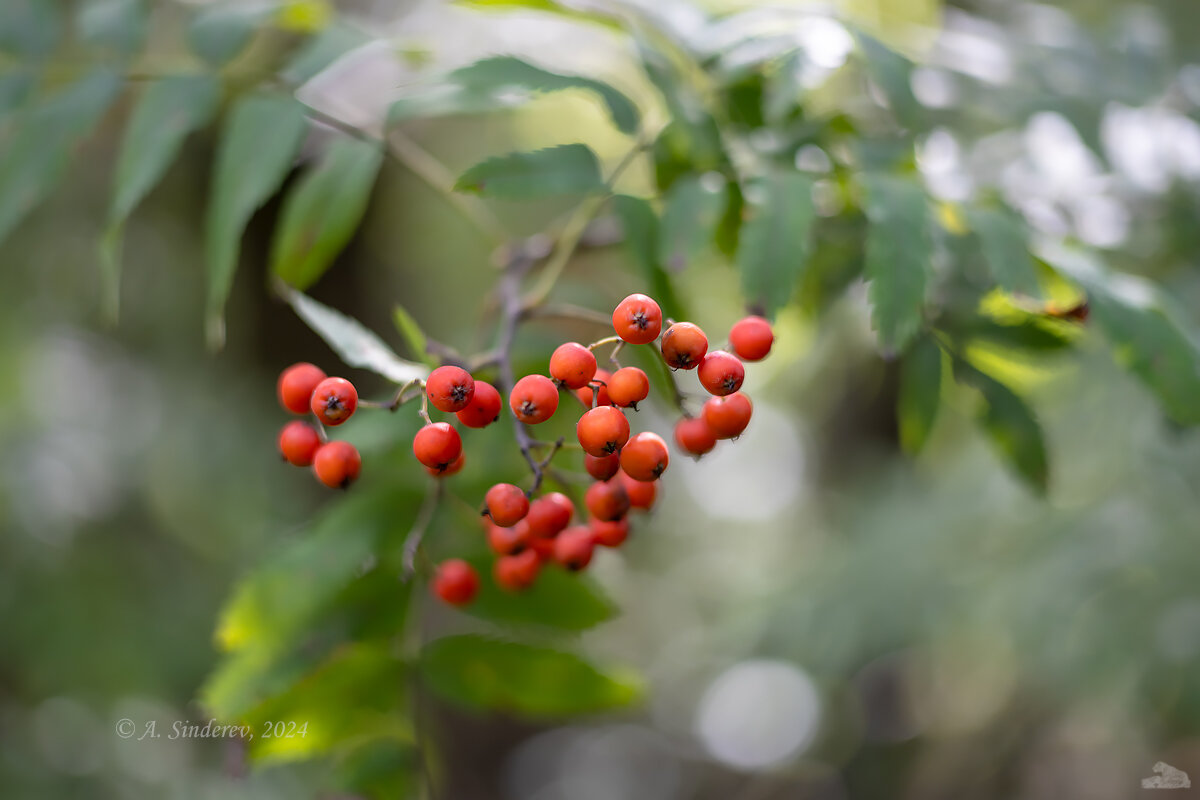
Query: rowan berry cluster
point(524, 531)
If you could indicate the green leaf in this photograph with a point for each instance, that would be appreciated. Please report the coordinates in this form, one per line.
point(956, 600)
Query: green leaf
point(566, 169)
point(219, 32)
point(258, 143)
point(1006, 250)
point(776, 241)
point(483, 673)
point(692, 207)
point(29, 28)
point(898, 256)
point(557, 600)
point(920, 393)
point(165, 114)
point(37, 152)
point(1010, 424)
point(413, 336)
point(641, 228)
point(14, 90)
point(323, 209)
point(549, 6)
point(892, 72)
point(118, 25)
point(355, 344)
point(319, 51)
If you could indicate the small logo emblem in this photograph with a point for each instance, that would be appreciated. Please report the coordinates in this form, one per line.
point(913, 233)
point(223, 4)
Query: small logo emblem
point(1167, 778)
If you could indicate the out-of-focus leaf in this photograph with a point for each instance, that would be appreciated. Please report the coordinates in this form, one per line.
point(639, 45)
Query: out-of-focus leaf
point(920, 393)
point(165, 114)
point(548, 6)
point(776, 241)
point(728, 234)
point(1005, 249)
point(355, 344)
point(692, 207)
point(219, 32)
point(15, 87)
point(836, 261)
point(119, 25)
point(258, 143)
point(898, 256)
point(322, 50)
point(1033, 334)
point(522, 679)
point(566, 169)
point(1011, 426)
point(413, 336)
point(641, 228)
point(323, 209)
point(892, 73)
point(304, 16)
point(41, 143)
point(381, 769)
point(30, 28)
point(556, 600)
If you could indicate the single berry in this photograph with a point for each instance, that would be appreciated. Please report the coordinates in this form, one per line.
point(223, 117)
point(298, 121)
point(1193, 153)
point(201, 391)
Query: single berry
point(456, 582)
point(517, 572)
point(637, 319)
point(683, 345)
point(298, 443)
point(600, 381)
point(549, 515)
point(751, 338)
point(337, 464)
point(573, 548)
point(296, 385)
point(437, 446)
point(572, 365)
point(484, 408)
point(628, 386)
point(694, 437)
point(728, 416)
point(602, 468)
point(610, 534)
point(641, 493)
point(450, 388)
point(543, 547)
point(607, 500)
point(508, 541)
point(506, 504)
point(721, 373)
point(534, 399)
point(453, 468)
point(602, 431)
point(644, 457)
point(334, 400)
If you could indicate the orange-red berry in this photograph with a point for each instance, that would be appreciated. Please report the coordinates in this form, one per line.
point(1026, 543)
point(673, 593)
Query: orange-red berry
point(450, 388)
point(572, 365)
point(334, 400)
point(337, 464)
point(610, 534)
point(298, 443)
point(517, 572)
point(728, 416)
point(644, 457)
point(607, 500)
point(484, 407)
point(602, 468)
point(721, 373)
point(637, 319)
point(296, 385)
point(453, 468)
point(683, 345)
point(628, 386)
point(508, 541)
point(602, 431)
point(456, 582)
point(506, 504)
point(534, 399)
point(641, 493)
point(601, 380)
point(693, 436)
point(751, 338)
point(437, 446)
point(573, 548)
point(549, 515)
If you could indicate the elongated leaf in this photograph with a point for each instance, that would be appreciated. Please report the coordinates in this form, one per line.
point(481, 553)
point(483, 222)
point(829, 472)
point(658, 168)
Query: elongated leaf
point(219, 32)
point(641, 228)
point(322, 211)
point(898, 257)
point(1006, 250)
point(118, 25)
point(258, 143)
point(556, 600)
point(892, 73)
point(353, 343)
point(567, 169)
point(414, 337)
point(1010, 424)
point(920, 393)
point(322, 50)
point(776, 241)
point(30, 28)
point(549, 6)
point(166, 113)
point(693, 205)
point(521, 679)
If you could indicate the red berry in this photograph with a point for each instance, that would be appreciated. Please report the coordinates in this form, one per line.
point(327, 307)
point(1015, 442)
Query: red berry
point(334, 400)
point(549, 514)
point(644, 457)
point(534, 399)
point(610, 534)
point(573, 548)
point(601, 380)
point(728, 416)
point(693, 436)
point(450, 388)
point(721, 373)
point(506, 504)
point(683, 345)
point(641, 493)
point(751, 338)
point(607, 500)
point(517, 572)
point(637, 319)
point(456, 582)
point(602, 431)
point(296, 384)
point(453, 468)
point(337, 464)
point(298, 443)
point(508, 541)
point(543, 547)
point(572, 365)
point(602, 468)
point(437, 446)
point(484, 408)
point(628, 386)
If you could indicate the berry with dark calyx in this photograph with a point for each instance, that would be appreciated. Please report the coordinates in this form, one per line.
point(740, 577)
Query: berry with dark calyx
point(604, 467)
point(549, 515)
point(337, 464)
point(296, 384)
point(334, 400)
point(437, 446)
point(484, 408)
point(694, 437)
point(456, 582)
point(298, 443)
point(506, 504)
point(586, 393)
point(610, 534)
point(450, 388)
point(683, 345)
point(573, 548)
point(642, 494)
point(751, 338)
point(728, 416)
point(517, 572)
point(644, 457)
point(453, 468)
point(534, 399)
point(721, 373)
point(628, 386)
point(508, 541)
point(607, 500)
point(637, 319)
point(572, 365)
point(602, 431)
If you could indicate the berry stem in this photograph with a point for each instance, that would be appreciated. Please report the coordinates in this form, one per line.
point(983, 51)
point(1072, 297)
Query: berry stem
point(540, 473)
point(606, 340)
point(412, 542)
point(425, 409)
point(677, 395)
point(568, 312)
point(616, 351)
